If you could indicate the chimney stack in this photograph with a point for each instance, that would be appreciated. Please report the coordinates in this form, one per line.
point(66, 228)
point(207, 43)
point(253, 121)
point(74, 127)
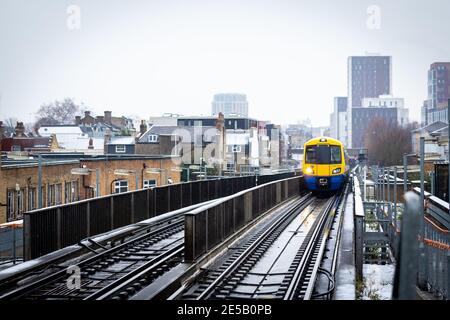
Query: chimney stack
point(108, 117)
point(20, 129)
point(87, 114)
point(91, 144)
point(143, 127)
point(77, 120)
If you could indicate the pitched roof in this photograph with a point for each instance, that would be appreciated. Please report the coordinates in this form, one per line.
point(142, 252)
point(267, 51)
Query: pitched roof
point(26, 143)
point(186, 132)
point(432, 127)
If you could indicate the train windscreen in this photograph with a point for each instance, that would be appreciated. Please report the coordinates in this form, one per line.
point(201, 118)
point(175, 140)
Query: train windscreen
point(323, 154)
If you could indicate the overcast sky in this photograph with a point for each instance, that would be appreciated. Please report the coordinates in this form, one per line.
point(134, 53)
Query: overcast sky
point(145, 58)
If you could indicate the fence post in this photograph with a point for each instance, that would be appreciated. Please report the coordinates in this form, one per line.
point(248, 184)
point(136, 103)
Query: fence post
point(58, 228)
point(359, 229)
point(14, 244)
point(422, 258)
point(406, 267)
point(448, 275)
point(405, 173)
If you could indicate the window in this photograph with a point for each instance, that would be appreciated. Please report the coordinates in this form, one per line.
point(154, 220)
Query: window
point(120, 149)
point(10, 205)
point(120, 186)
point(323, 154)
point(235, 148)
point(58, 193)
point(335, 154)
point(15, 148)
point(149, 183)
point(153, 138)
point(20, 204)
point(67, 192)
point(51, 195)
point(74, 190)
point(31, 199)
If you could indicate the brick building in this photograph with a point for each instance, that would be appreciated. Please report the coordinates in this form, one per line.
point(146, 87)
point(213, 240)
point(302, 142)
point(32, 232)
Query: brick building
point(19, 185)
point(19, 178)
point(120, 173)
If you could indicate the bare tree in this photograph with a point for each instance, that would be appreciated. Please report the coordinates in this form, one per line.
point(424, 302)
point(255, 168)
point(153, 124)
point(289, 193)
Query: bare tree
point(10, 123)
point(58, 112)
point(386, 142)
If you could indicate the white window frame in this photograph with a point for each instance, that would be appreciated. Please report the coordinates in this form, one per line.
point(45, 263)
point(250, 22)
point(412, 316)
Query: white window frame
point(152, 138)
point(74, 190)
point(31, 200)
point(235, 148)
point(10, 205)
point(51, 195)
point(58, 193)
point(120, 186)
point(148, 185)
point(120, 148)
point(20, 202)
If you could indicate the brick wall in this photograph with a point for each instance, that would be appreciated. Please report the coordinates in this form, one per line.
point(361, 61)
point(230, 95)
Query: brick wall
point(26, 179)
point(107, 177)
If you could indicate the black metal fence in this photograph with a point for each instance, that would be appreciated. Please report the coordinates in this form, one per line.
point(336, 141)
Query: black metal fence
point(441, 181)
point(53, 228)
point(209, 225)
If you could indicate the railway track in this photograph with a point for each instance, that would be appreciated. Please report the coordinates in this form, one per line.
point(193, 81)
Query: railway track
point(279, 262)
point(107, 274)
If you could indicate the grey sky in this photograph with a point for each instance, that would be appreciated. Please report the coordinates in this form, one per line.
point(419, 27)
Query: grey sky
point(149, 57)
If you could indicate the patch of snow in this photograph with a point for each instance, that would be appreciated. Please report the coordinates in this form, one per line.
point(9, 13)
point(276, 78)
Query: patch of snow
point(378, 281)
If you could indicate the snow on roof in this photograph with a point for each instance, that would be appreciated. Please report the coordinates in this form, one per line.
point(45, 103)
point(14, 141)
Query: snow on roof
point(75, 143)
point(69, 129)
point(237, 138)
point(122, 140)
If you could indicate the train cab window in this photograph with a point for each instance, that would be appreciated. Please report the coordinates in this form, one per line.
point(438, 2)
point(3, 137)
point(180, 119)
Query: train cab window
point(323, 155)
point(335, 154)
point(311, 155)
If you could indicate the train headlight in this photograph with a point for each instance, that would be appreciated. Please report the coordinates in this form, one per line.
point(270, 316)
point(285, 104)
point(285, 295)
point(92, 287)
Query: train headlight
point(309, 170)
point(337, 170)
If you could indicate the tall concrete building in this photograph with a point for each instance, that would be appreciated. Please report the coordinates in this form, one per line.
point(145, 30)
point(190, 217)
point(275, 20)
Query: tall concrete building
point(338, 120)
point(438, 85)
point(435, 107)
point(230, 104)
point(368, 77)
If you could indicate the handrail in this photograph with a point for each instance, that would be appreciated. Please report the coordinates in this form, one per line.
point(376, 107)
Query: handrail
point(236, 195)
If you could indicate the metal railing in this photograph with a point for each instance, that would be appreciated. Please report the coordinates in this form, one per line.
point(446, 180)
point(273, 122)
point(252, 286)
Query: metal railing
point(433, 249)
point(206, 227)
point(52, 228)
point(11, 243)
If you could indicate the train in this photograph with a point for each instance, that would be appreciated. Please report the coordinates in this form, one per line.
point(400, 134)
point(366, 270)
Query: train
point(325, 164)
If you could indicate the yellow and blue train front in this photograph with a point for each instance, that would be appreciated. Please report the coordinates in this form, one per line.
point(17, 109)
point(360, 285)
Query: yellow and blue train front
point(324, 177)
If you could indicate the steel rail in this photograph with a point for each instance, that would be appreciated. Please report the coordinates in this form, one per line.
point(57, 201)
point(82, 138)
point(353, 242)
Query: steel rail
point(136, 274)
point(24, 290)
point(309, 250)
point(303, 202)
point(318, 261)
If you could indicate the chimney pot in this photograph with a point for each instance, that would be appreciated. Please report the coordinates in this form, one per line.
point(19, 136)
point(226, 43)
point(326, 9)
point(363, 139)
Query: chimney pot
point(20, 129)
point(143, 127)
